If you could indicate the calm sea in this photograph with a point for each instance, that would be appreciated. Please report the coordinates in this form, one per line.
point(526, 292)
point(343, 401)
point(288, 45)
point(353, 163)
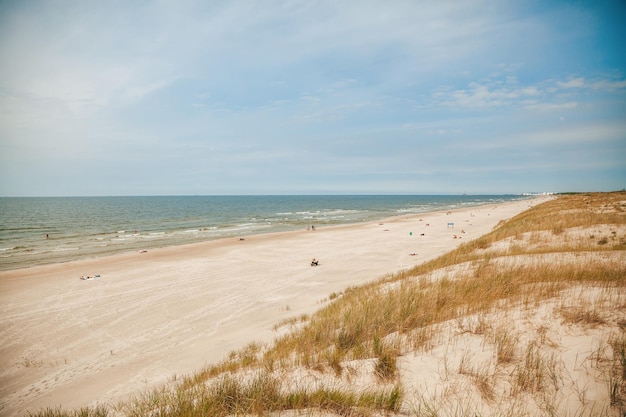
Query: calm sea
point(42, 230)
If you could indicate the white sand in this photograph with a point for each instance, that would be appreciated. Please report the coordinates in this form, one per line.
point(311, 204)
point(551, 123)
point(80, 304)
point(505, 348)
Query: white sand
point(153, 316)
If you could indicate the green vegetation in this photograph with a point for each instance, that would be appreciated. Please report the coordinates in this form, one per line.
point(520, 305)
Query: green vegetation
point(525, 261)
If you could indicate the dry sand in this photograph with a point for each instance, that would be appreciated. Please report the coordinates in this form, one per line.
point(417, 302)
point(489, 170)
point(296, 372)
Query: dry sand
point(152, 316)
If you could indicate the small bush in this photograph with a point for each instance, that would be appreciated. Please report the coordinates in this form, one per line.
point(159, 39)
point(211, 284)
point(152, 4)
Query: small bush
point(579, 315)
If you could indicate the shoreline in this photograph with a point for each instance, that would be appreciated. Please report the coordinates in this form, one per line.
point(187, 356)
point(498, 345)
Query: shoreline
point(153, 316)
point(101, 243)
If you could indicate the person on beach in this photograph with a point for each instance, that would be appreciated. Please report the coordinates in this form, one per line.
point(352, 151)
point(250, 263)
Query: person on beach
point(314, 262)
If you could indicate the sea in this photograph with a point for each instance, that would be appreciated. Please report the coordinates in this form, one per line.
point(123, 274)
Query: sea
point(46, 230)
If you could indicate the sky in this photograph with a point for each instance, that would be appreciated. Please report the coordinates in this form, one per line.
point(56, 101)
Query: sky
point(182, 97)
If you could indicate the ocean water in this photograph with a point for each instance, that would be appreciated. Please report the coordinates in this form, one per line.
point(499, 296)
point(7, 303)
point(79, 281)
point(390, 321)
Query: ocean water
point(44, 230)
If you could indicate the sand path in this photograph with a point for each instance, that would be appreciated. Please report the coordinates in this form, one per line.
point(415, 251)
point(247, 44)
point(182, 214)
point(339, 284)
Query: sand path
point(152, 316)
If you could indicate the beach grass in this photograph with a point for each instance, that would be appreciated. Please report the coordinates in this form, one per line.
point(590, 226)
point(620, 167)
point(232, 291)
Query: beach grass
point(344, 359)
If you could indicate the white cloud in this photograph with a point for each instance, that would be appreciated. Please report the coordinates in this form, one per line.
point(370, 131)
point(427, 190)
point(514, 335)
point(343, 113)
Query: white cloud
point(609, 85)
point(483, 96)
point(551, 106)
point(572, 83)
point(544, 95)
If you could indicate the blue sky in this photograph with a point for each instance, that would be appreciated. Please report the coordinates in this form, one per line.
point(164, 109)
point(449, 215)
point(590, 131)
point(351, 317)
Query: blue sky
point(311, 97)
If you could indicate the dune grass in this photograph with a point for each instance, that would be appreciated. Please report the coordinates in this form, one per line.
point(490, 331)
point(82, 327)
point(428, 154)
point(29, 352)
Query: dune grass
point(230, 395)
point(398, 314)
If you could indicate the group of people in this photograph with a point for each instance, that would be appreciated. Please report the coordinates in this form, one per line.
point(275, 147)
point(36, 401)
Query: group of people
point(89, 277)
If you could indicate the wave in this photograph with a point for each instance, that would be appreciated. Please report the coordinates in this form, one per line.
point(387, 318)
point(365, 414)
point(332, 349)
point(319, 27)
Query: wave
point(64, 249)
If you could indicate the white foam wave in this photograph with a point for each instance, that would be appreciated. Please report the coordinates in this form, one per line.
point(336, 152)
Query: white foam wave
point(64, 249)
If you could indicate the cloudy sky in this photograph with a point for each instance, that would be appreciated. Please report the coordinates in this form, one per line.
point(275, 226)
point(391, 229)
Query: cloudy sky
point(311, 97)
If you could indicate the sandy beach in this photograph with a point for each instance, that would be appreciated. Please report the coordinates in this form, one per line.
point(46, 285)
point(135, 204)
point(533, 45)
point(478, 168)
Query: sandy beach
point(153, 316)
